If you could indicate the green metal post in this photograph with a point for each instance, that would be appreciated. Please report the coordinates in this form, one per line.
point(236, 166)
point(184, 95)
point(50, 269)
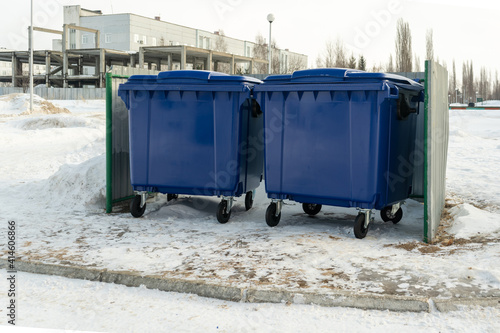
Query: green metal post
point(109, 142)
point(426, 155)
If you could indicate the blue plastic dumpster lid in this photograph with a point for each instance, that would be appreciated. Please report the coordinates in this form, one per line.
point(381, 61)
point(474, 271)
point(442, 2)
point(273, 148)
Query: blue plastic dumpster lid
point(323, 75)
point(365, 76)
point(142, 79)
point(276, 79)
point(332, 75)
point(203, 77)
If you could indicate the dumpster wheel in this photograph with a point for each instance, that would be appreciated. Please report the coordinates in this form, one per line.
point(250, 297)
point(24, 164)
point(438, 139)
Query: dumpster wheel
point(311, 209)
point(359, 226)
point(171, 196)
point(135, 207)
point(386, 215)
point(271, 219)
point(222, 214)
point(249, 200)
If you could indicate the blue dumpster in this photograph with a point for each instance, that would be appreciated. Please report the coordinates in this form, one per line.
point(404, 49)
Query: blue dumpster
point(339, 137)
point(195, 133)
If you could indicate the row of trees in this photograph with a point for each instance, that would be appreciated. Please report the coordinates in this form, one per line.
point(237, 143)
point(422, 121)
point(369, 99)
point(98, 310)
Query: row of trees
point(260, 51)
point(278, 65)
point(486, 86)
point(336, 54)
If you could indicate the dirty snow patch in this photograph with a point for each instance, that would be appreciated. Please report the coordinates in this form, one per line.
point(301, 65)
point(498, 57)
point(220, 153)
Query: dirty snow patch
point(19, 104)
point(80, 187)
point(470, 221)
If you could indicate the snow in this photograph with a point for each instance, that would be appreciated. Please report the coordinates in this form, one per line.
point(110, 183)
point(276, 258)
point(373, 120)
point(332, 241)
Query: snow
point(56, 302)
point(471, 221)
point(474, 157)
point(19, 104)
point(488, 103)
point(478, 104)
point(53, 186)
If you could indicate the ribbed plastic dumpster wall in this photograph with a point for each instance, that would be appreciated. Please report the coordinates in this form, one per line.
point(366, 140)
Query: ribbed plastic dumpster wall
point(193, 132)
point(334, 137)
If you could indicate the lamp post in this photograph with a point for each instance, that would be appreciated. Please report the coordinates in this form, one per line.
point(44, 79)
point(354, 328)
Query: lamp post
point(31, 58)
point(270, 18)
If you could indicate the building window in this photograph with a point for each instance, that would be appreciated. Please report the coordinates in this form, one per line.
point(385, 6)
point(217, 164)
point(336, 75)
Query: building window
point(136, 38)
point(107, 38)
point(249, 52)
point(144, 40)
point(72, 38)
point(85, 39)
point(153, 41)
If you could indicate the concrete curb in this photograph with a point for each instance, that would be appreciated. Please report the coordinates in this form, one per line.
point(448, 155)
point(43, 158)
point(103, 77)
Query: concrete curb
point(252, 295)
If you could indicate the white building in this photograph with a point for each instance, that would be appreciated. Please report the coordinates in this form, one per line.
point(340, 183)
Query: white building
point(129, 32)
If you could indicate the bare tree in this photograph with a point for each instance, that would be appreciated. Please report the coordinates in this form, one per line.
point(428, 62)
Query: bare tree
point(416, 64)
point(23, 79)
point(377, 68)
point(275, 58)
point(453, 83)
point(296, 63)
point(429, 46)
point(340, 54)
point(220, 42)
point(328, 60)
point(319, 62)
point(496, 88)
point(221, 46)
point(352, 62)
point(483, 84)
point(390, 64)
point(403, 47)
point(335, 55)
point(362, 63)
point(260, 52)
point(468, 85)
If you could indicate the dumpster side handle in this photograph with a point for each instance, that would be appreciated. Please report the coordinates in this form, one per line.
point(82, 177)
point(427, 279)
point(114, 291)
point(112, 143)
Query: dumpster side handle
point(392, 91)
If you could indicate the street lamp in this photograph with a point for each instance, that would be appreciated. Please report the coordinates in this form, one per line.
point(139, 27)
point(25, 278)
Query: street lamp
point(31, 58)
point(270, 18)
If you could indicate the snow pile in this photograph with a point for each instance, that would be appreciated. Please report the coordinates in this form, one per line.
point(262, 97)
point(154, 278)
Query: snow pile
point(19, 104)
point(82, 106)
point(485, 103)
point(54, 121)
point(473, 158)
point(470, 221)
point(488, 103)
point(80, 187)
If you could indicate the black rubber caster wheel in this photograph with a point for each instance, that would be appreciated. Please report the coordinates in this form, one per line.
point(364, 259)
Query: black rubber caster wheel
point(222, 214)
point(248, 200)
point(311, 209)
point(271, 219)
point(359, 226)
point(171, 196)
point(386, 215)
point(135, 207)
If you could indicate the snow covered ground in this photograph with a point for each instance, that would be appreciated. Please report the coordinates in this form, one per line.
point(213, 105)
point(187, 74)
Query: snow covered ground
point(53, 185)
point(56, 302)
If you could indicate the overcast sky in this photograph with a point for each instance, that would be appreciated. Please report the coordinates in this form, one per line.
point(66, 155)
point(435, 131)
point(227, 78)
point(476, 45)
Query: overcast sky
point(463, 30)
